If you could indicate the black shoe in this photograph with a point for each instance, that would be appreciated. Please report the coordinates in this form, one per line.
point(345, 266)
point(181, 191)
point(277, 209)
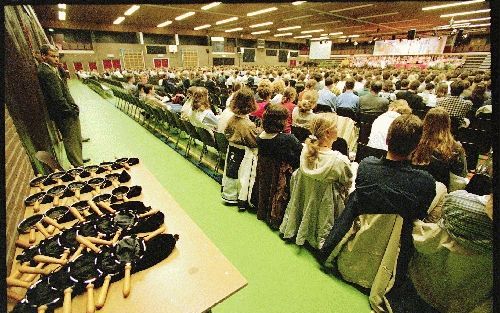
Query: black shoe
point(85, 139)
point(86, 160)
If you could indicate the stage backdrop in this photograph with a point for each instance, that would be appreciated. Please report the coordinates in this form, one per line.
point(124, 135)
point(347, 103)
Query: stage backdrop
point(429, 45)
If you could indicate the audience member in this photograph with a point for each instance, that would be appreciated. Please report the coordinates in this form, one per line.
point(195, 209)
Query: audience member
point(241, 158)
point(201, 115)
point(318, 187)
point(457, 107)
point(438, 152)
point(380, 126)
point(289, 96)
point(279, 154)
point(327, 100)
point(348, 99)
point(372, 103)
point(264, 91)
point(277, 87)
point(302, 114)
point(414, 101)
point(388, 190)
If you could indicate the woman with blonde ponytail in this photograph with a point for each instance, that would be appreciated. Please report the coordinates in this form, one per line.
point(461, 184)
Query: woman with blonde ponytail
point(318, 187)
point(303, 113)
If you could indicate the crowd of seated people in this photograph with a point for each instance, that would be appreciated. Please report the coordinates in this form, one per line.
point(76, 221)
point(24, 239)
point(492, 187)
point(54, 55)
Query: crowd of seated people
point(287, 163)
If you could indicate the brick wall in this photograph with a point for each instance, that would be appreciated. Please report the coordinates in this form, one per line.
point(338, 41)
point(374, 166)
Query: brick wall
point(18, 173)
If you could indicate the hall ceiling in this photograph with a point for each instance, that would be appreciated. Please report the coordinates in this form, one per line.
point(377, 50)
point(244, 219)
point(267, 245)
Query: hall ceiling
point(367, 19)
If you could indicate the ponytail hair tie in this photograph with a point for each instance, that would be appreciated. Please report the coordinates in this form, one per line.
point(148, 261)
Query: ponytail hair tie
point(312, 137)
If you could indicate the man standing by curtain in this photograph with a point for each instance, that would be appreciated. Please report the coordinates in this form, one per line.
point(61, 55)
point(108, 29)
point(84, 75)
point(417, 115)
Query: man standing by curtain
point(60, 104)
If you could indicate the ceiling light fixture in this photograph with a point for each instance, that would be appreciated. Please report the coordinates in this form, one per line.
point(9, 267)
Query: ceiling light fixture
point(202, 27)
point(164, 24)
point(226, 20)
point(465, 13)
point(304, 36)
point(296, 18)
point(325, 23)
point(320, 38)
point(478, 25)
point(185, 15)
point(449, 5)
point(353, 36)
point(283, 34)
point(119, 20)
point(261, 24)
point(298, 2)
point(334, 34)
point(61, 6)
point(210, 5)
point(132, 9)
point(312, 31)
point(62, 15)
point(260, 32)
point(233, 30)
point(352, 8)
point(377, 15)
point(473, 20)
point(288, 28)
point(51, 29)
point(217, 38)
point(262, 11)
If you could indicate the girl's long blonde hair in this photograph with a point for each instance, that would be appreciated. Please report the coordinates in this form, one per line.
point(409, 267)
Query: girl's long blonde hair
point(318, 126)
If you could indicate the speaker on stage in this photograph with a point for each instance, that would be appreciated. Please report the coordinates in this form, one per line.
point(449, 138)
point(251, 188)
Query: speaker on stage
point(411, 34)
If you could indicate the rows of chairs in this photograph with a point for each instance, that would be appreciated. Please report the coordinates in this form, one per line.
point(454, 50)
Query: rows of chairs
point(168, 125)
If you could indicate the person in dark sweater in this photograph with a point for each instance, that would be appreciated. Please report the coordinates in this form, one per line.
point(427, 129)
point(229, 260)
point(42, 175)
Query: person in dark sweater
point(389, 185)
point(415, 101)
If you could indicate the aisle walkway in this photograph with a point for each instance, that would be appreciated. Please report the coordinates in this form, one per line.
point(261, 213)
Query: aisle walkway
point(282, 278)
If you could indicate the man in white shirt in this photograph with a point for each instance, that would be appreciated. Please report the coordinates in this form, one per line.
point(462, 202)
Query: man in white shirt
point(381, 124)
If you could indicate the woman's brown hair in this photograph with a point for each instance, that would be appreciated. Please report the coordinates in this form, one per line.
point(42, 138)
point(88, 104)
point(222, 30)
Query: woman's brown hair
point(436, 137)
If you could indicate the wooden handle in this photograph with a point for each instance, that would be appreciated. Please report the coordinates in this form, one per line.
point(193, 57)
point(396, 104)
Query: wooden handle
point(64, 200)
point(21, 244)
point(31, 277)
point(148, 213)
point(42, 229)
point(36, 206)
point(53, 222)
point(87, 243)
point(32, 238)
point(32, 270)
point(116, 236)
point(106, 206)
point(94, 207)
point(76, 214)
point(56, 200)
point(99, 241)
point(50, 229)
point(126, 281)
point(155, 233)
point(90, 298)
point(42, 309)
point(77, 252)
point(67, 300)
point(48, 259)
point(104, 292)
point(65, 254)
point(14, 282)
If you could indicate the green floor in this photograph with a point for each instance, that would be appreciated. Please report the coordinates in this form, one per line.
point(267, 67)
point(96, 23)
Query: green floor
point(282, 278)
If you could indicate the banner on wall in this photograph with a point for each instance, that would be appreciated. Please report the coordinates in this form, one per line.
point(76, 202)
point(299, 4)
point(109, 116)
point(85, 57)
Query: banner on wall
point(422, 46)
